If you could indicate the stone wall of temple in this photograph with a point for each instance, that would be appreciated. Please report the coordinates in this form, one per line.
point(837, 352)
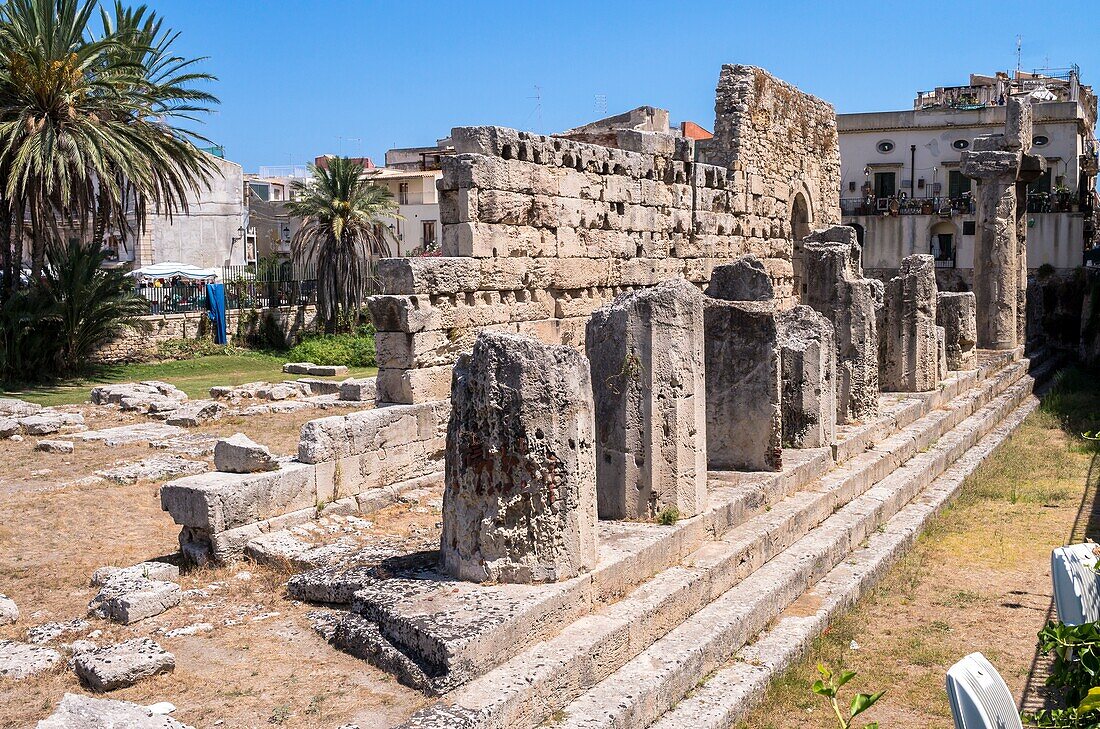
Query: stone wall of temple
point(539, 231)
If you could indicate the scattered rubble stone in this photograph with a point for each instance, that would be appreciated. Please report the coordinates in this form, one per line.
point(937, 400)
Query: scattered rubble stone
point(127, 598)
point(9, 427)
point(195, 413)
point(13, 408)
point(123, 664)
point(361, 390)
point(55, 446)
point(240, 454)
point(157, 468)
point(195, 445)
point(84, 712)
point(137, 395)
point(9, 611)
point(137, 433)
point(193, 629)
point(49, 632)
point(150, 570)
point(41, 424)
point(21, 660)
point(308, 368)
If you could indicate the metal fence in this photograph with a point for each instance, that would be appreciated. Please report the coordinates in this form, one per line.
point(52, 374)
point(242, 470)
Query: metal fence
point(246, 287)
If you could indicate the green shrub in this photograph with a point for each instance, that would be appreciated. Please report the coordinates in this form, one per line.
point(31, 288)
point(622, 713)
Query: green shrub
point(353, 350)
point(668, 516)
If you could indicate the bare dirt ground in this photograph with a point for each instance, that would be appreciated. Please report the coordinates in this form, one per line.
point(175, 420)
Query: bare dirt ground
point(978, 580)
point(259, 663)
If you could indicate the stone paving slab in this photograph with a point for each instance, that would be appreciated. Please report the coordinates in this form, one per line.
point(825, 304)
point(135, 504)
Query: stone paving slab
point(123, 664)
point(137, 433)
point(84, 712)
point(22, 660)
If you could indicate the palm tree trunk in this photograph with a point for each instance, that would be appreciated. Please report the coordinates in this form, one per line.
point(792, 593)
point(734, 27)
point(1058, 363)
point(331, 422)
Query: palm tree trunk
point(5, 251)
point(100, 217)
point(17, 249)
point(38, 242)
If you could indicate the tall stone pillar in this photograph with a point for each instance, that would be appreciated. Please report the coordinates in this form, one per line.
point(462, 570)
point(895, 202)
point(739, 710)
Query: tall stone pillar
point(519, 503)
point(996, 266)
point(835, 288)
point(646, 353)
point(911, 356)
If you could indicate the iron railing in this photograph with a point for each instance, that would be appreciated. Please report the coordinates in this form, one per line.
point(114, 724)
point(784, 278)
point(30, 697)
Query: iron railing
point(246, 287)
point(942, 206)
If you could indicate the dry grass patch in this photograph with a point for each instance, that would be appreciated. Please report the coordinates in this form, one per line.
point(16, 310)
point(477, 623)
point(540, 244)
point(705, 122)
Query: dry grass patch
point(977, 580)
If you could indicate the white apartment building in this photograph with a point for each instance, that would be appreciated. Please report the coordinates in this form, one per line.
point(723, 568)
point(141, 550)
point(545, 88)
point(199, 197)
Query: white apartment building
point(903, 192)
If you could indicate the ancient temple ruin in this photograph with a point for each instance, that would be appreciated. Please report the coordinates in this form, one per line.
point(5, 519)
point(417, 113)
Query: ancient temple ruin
point(661, 400)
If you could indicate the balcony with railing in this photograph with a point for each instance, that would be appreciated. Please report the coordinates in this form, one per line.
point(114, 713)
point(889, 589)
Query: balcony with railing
point(944, 207)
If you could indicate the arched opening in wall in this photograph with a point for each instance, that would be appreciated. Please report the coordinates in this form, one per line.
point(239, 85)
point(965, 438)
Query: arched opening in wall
point(800, 228)
point(942, 240)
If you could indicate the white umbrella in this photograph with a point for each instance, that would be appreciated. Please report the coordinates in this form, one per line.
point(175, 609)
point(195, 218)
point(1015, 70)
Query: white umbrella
point(171, 269)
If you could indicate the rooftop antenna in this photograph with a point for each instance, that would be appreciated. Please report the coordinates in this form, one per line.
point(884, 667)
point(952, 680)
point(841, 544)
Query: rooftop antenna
point(538, 104)
point(601, 104)
point(1019, 51)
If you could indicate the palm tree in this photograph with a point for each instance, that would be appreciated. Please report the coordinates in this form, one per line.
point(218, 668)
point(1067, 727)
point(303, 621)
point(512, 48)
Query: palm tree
point(341, 234)
point(86, 120)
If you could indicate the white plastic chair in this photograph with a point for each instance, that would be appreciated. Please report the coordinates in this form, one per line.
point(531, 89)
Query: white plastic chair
point(979, 697)
point(1076, 583)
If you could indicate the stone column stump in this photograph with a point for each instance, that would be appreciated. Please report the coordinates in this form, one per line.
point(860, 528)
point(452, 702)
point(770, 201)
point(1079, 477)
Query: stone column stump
point(520, 497)
point(808, 360)
point(835, 288)
point(743, 387)
point(956, 313)
point(911, 362)
point(646, 353)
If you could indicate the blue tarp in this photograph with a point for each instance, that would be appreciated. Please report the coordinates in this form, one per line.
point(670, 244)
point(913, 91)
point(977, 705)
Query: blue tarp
point(215, 300)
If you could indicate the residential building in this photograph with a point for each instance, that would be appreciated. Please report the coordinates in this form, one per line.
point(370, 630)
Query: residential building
point(210, 233)
point(641, 119)
point(270, 227)
point(903, 192)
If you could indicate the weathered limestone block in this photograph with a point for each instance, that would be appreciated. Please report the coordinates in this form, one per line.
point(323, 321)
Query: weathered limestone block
point(911, 362)
point(240, 454)
point(956, 313)
point(127, 598)
point(745, 279)
point(741, 355)
point(22, 660)
point(123, 664)
point(360, 390)
point(150, 570)
point(834, 286)
point(646, 350)
point(941, 352)
point(50, 632)
point(1018, 123)
point(55, 446)
point(808, 360)
point(83, 712)
point(9, 611)
point(520, 497)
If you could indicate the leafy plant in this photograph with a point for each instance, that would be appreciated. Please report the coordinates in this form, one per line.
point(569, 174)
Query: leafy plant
point(352, 350)
point(828, 687)
point(668, 516)
point(1076, 650)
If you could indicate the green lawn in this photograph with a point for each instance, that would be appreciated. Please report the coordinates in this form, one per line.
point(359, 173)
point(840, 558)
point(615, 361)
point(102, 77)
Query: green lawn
point(193, 376)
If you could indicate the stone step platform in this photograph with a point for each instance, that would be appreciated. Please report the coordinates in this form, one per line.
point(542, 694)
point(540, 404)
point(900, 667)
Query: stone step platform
point(454, 631)
point(729, 693)
point(540, 681)
point(654, 681)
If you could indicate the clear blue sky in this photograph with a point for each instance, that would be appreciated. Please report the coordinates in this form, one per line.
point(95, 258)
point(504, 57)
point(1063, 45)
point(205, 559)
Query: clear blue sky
point(299, 79)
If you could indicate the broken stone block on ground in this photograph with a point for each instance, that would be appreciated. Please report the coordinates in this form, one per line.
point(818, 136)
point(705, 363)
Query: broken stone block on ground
point(157, 468)
point(194, 414)
point(9, 611)
point(43, 424)
point(123, 664)
point(150, 570)
point(834, 285)
point(127, 598)
point(956, 313)
point(49, 632)
point(55, 446)
point(313, 370)
point(911, 351)
point(742, 386)
point(520, 498)
point(808, 361)
point(240, 454)
point(13, 408)
point(136, 433)
point(9, 427)
point(84, 712)
point(363, 390)
point(646, 354)
point(22, 660)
